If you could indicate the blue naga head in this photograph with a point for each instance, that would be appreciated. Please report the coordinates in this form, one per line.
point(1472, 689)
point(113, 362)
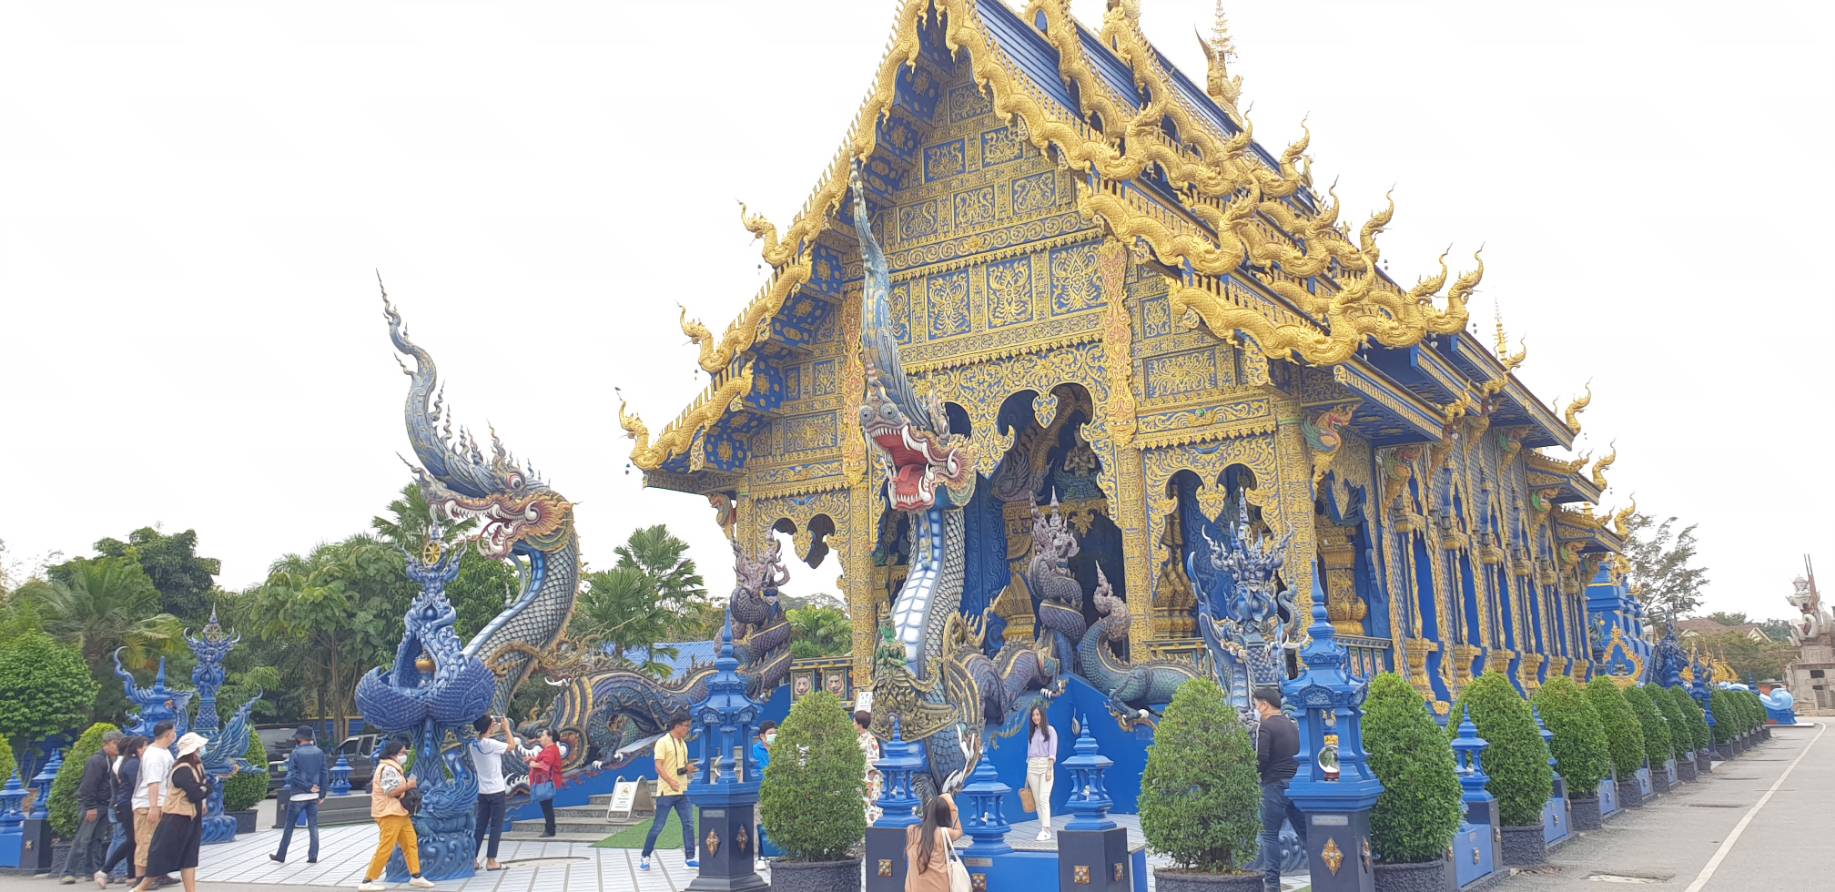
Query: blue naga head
point(926, 464)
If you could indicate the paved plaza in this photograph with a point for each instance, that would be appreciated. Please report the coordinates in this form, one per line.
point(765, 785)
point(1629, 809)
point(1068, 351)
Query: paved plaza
point(1755, 824)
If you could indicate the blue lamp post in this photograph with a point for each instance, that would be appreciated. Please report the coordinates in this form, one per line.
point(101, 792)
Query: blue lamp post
point(1476, 846)
point(898, 803)
point(1092, 849)
point(35, 851)
point(727, 792)
point(11, 836)
point(1333, 786)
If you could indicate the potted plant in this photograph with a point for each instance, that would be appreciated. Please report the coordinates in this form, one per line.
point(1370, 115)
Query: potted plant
point(1624, 737)
point(1681, 735)
point(243, 791)
point(1418, 815)
point(1697, 723)
point(1581, 753)
point(810, 798)
point(1726, 723)
point(1658, 748)
point(1200, 800)
point(1517, 762)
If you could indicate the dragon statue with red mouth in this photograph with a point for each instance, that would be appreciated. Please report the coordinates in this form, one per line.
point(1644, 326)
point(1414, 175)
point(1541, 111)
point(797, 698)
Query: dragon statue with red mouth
point(930, 477)
point(521, 520)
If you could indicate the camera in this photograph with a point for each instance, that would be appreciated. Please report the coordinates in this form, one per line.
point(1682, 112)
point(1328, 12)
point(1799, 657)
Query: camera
point(681, 772)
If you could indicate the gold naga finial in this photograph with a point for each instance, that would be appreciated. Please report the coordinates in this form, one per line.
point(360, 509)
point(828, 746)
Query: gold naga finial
point(1218, 50)
point(759, 227)
point(1621, 521)
point(1599, 468)
point(1510, 360)
point(1571, 415)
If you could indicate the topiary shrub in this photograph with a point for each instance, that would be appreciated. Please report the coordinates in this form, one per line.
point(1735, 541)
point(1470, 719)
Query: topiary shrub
point(1420, 809)
point(45, 689)
point(1200, 800)
point(64, 815)
point(1516, 760)
point(810, 798)
point(1755, 710)
point(1657, 744)
point(1581, 753)
point(8, 767)
point(246, 789)
point(1726, 721)
point(1694, 718)
point(1624, 736)
point(1681, 736)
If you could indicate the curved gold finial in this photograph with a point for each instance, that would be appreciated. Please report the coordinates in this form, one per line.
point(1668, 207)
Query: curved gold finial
point(679, 437)
point(1366, 238)
point(760, 228)
point(1599, 468)
point(696, 332)
point(1621, 521)
point(1571, 415)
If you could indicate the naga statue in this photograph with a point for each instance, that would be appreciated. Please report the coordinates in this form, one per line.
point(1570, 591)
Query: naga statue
point(523, 521)
point(1243, 616)
point(930, 671)
point(154, 704)
point(1666, 661)
point(1132, 688)
point(434, 688)
point(1048, 576)
point(591, 698)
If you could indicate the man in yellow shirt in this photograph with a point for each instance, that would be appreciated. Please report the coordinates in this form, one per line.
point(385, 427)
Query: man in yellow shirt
point(672, 774)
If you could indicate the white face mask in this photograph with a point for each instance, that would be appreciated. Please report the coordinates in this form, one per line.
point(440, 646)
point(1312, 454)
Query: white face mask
point(770, 738)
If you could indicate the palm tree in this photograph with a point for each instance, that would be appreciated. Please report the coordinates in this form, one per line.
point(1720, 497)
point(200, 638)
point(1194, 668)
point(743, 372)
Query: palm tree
point(662, 557)
point(101, 604)
point(405, 524)
point(620, 611)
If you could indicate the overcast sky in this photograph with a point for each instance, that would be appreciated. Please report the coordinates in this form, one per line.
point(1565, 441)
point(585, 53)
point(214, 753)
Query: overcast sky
point(193, 197)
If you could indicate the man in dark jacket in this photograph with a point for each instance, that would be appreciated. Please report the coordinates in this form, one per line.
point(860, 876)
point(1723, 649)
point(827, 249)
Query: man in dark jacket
point(308, 778)
point(1277, 739)
point(93, 796)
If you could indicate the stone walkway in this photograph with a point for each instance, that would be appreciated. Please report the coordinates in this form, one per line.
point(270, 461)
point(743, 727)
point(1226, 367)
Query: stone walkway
point(1760, 823)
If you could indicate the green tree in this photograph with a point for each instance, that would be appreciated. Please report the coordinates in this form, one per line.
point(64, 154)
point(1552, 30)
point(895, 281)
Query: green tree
point(1728, 617)
point(172, 563)
point(1624, 736)
point(1200, 799)
point(1658, 746)
point(328, 617)
point(45, 690)
point(819, 632)
point(1581, 752)
point(621, 610)
point(812, 792)
point(8, 767)
point(101, 604)
point(1750, 660)
point(1516, 760)
point(64, 816)
point(1420, 809)
point(664, 559)
point(1661, 572)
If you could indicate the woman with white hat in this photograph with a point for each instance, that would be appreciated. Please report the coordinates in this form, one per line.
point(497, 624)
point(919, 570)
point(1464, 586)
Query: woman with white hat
point(181, 825)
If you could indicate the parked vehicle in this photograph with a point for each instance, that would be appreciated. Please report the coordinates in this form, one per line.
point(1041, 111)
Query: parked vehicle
point(358, 750)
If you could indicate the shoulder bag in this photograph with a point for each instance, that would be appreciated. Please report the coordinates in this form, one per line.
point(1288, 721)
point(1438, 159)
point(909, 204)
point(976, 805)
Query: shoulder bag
point(958, 873)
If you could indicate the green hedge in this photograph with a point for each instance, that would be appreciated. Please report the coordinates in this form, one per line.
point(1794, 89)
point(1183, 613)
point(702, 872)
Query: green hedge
point(1200, 800)
point(812, 798)
point(244, 790)
point(1581, 752)
point(1681, 735)
point(1695, 719)
point(1726, 718)
point(64, 815)
point(1420, 809)
point(8, 767)
point(1658, 747)
point(1517, 760)
point(1624, 736)
point(1755, 710)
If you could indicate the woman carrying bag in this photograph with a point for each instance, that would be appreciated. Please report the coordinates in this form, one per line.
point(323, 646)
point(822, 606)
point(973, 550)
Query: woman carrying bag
point(181, 829)
point(545, 778)
point(394, 825)
point(931, 864)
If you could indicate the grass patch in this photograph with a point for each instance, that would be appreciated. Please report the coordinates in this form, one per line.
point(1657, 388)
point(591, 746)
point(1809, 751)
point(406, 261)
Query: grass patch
point(632, 837)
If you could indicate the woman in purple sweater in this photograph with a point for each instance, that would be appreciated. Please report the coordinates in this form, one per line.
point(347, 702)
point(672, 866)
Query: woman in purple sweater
point(1041, 762)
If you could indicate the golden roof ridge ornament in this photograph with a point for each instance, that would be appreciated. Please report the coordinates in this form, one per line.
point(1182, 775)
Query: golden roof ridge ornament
point(1218, 50)
point(1571, 415)
point(1621, 520)
point(1599, 468)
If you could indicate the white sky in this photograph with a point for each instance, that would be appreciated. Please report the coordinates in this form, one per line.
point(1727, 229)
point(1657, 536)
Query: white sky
point(193, 196)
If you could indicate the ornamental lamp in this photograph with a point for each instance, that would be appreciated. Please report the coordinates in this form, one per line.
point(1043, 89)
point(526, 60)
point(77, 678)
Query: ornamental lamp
point(1333, 785)
point(726, 719)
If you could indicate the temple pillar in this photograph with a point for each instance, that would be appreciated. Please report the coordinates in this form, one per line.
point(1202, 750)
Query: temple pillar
point(857, 580)
point(1292, 510)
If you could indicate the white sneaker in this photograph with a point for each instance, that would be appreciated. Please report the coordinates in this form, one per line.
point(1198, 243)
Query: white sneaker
point(101, 880)
point(371, 886)
point(1044, 835)
point(421, 883)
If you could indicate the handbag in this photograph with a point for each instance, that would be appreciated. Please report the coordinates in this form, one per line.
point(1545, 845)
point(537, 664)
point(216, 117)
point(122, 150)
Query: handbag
point(541, 792)
point(958, 874)
point(1026, 803)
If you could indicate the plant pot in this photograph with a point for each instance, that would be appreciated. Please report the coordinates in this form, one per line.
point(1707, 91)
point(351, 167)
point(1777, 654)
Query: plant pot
point(1765, 732)
point(1704, 761)
point(1182, 881)
point(1659, 780)
point(1630, 795)
point(245, 820)
point(1525, 846)
point(815, 876)
point(1685, 768)
point(1724, 751)
point(1583, 813)
point(1427, 876)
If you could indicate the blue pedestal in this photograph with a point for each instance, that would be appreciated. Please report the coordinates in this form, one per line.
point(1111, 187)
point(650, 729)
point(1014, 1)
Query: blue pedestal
point(1644, 785)
point(1555, 820)
point(1608, 797)
point(1474, 853)
point(1669, 772)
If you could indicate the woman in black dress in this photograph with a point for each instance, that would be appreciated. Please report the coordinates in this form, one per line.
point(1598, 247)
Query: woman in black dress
point(125, 775)
point(181, 826)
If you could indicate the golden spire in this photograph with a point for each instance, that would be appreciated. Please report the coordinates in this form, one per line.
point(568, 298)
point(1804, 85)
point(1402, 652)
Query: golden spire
point(1218, 50)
